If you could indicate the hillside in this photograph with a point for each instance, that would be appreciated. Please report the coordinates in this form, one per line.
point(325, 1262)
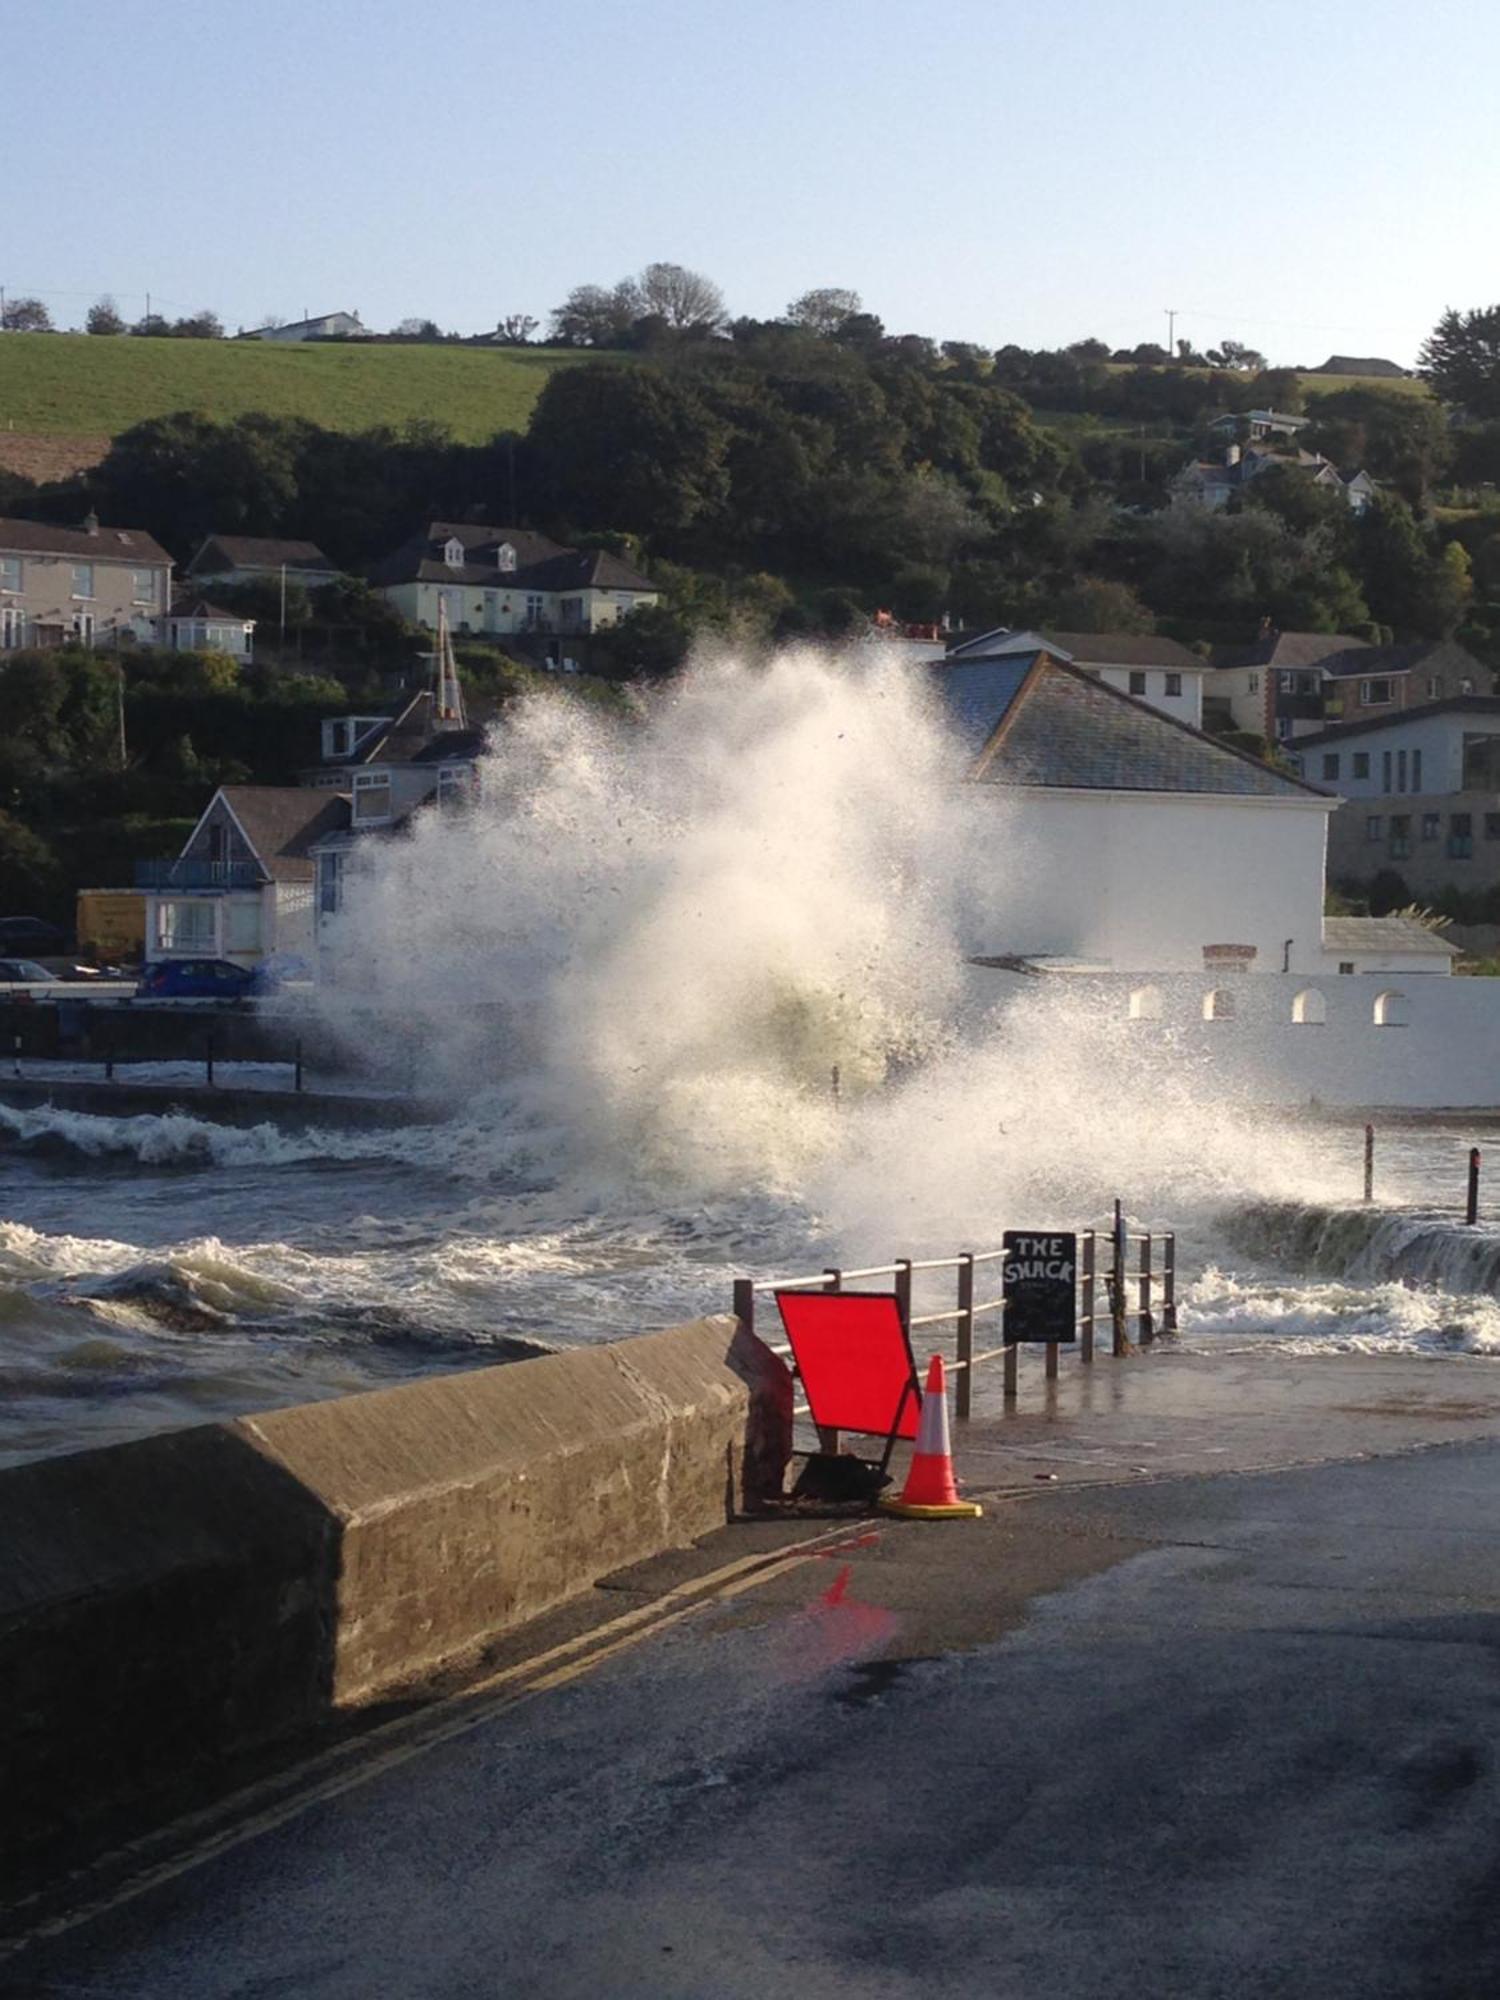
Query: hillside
point(75, 383)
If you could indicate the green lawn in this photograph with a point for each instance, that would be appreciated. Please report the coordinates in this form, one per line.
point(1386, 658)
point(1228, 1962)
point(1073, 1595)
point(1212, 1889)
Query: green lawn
point(83, 384)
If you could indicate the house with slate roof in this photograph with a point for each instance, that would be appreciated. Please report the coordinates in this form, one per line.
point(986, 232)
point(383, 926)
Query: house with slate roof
point(1154, 670)
point(1273, 687)
point(507, 581)
point(91, 585)
point(1116, 835)
point(228, 559)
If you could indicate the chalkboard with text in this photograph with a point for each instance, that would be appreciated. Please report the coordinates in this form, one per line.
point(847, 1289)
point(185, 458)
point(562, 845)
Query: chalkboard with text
point(1040, 1285)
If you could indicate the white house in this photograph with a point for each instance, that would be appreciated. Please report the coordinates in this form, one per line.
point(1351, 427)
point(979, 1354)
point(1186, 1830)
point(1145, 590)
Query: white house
point(324, 326)
point(242, 887)
point(1124, 837)
point(196, 626)
point(1157, 671)
point(1257, 425)
point(1204, 482)
point(503, 581)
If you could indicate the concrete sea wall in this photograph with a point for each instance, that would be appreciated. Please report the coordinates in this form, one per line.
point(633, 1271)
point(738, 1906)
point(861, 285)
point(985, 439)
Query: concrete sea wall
point(169, 1605)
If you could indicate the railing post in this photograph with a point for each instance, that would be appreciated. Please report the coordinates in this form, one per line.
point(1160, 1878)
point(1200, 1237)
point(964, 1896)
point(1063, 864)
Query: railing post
point(1012, 1366)
point(744, 1303)
point(964, 1399)
point(1117, 1303)
point(1169, 1282)
point(831, 1441)
point(1145, 1327)
point(1369, 1163)
point(1086, 1351)
point(208, 1057)
point(1471, 1211)
point(297, 1066)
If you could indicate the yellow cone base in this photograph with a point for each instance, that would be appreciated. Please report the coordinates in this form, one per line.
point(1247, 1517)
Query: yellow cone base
point(910, 1510)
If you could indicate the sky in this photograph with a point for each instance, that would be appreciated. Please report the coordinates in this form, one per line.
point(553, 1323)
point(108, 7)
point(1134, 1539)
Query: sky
point(1308, 176)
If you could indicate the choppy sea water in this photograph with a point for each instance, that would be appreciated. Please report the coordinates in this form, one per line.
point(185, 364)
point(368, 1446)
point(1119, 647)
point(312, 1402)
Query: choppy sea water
point(161, 1271)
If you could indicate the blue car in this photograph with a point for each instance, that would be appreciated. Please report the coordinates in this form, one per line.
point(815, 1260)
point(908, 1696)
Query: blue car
point(202, 979)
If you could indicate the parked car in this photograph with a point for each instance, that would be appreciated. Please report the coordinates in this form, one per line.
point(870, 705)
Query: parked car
point(202, 979)
point(25, 972)
point(30, 934)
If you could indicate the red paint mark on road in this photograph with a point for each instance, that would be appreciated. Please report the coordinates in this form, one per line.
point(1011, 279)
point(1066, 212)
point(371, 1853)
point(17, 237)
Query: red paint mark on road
point(834, 1594)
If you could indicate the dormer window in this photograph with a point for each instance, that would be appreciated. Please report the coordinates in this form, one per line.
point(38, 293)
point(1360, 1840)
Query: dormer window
point(372, 798)
point(453, 552)
point(505, 557)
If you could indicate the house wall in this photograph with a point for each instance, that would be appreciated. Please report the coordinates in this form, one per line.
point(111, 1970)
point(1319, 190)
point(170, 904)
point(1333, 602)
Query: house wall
point(228, 573)
point(1439, 739)
point(502, 608)
point(1248, 692)
point(330, 323)
point(1439, 1052)
point(1184, 707)
point(49, 596)
point(1146, 879)
point(1428, 859)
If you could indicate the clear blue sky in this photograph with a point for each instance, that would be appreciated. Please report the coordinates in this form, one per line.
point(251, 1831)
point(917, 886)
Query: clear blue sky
point(1305, 175)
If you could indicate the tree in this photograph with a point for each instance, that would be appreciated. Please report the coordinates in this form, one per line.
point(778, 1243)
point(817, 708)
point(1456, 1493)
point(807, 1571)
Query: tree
point(1461, 359)
point(595, 315)
point(25, 316)
point(1096, 604)
point(824, 310)
point(1411, 586)
point(1401, 439)
point(417, 329)
point(1087, 350)
point(151, 327)
point(629, 448)
point(516, 329)
point(204, 325)
point(1235, 355)
point(104, 316)
point(686, 300)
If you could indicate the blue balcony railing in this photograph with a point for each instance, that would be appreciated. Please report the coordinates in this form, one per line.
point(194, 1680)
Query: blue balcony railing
point(195, 874)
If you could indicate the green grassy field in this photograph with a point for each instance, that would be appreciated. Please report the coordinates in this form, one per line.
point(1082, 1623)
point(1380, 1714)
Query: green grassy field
point(79, 384)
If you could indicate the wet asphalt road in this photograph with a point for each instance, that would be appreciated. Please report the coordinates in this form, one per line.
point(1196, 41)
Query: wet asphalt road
point(1231, 1736)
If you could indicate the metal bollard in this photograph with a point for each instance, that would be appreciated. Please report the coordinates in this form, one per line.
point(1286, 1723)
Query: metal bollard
point(964, 1396)
point(1471, 1212)
point(1118, 1308)
point(1169, 1282)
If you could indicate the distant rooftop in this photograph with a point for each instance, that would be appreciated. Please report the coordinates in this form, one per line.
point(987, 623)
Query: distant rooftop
point(1383, 934)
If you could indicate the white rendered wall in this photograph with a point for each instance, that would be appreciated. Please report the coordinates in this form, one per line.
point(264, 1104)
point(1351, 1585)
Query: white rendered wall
point(1445, 1055)
point(1147, 879)
point(1185, 707)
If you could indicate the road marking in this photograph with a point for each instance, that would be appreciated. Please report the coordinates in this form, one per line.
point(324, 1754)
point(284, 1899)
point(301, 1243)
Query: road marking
point(556, 1667)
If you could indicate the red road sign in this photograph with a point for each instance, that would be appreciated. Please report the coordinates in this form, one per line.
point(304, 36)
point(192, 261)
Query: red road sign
point(854, 1358)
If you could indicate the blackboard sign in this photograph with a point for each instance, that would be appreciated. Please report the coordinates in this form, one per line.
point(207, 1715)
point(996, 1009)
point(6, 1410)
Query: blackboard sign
point(1040, 1285)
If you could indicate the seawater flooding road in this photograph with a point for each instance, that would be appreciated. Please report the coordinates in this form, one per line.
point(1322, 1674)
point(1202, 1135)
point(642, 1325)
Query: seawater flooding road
point(1196, 1735)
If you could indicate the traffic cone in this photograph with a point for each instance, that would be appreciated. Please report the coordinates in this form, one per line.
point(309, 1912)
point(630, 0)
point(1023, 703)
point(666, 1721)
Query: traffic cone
point(930, 1493)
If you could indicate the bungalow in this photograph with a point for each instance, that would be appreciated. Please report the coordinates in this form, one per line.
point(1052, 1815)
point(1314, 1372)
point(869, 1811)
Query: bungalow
point(196, 626)
point(88, 585)
point(324, 326)
point(234, 559)
point(504, 581)
point(1255, 426)
point(1129, 839)
point(1157, 671)
point(242, 887)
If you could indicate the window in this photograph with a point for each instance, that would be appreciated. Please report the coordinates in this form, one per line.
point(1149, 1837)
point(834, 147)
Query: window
point(1331, 764)
point(1400, 770)
point(1346, 965)
point(143, 586)
point(1400, 836)
point(1137, 681)
point(1492, 826)
point(185, 926)
point(330, 883)
point(83, 579)
point(535, 607)
point(1460, 836)
point(1309, 1009)
point(10, 572)
point(1361, 763)
point(1374, 827)
point(1253, 684)
point(1432, 825)
point(242, 923)
point(372, 796)
point(505, 557)
point(1416, 770)
point(1434, 687)
point(1385, 770)
point(83, 627)
point(12, 627)
point(455, 782)
point(1287, 683)
point(1173, 684)
point(453, 552)
point(1374, 694)
point(1466, 685)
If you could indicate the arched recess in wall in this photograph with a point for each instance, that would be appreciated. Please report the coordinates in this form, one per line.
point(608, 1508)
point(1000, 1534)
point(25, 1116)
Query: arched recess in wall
point(1309, 1009)
point(1145, 1003)
point(1218, 1005)
point(1391, 1010)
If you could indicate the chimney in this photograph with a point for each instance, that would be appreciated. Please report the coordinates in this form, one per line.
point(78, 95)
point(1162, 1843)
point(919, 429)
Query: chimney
point(91, 523)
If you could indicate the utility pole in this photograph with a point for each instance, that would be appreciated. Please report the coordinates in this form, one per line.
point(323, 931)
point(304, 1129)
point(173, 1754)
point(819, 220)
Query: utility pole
point(120, 705)
point(282, 647)
point(1171, 313)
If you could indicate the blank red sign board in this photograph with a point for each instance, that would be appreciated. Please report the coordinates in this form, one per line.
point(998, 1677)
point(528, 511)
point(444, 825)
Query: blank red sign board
point(854, 1358)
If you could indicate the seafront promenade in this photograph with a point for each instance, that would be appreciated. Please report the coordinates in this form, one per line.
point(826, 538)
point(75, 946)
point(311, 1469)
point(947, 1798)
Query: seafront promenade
point(1206, 1704)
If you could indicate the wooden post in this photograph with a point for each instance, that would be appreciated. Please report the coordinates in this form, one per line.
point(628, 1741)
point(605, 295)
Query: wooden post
point(831, 1441)
point(1052, 1347)
point(1369, 1163)
point(1471, 1212)
point(964, 1399)
point(1011, 1381)
point(1086, 1352)
point(1169, 1282)
point(1146, 1328)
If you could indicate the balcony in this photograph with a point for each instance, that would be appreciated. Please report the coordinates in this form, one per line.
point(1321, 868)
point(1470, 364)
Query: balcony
point(195, 874)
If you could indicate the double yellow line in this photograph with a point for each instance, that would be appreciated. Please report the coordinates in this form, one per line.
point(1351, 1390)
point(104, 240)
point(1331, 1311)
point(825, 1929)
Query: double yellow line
point(201, 1837)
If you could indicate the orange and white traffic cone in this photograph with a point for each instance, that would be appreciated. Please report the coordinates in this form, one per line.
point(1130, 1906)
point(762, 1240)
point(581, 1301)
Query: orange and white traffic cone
point(930, 1493)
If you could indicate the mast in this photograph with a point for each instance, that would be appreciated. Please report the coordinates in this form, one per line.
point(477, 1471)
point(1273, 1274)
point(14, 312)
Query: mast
point(448, 694)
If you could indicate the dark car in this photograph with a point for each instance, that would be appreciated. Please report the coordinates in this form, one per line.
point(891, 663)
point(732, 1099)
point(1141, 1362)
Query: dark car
point(20, 935)
point(202, 979)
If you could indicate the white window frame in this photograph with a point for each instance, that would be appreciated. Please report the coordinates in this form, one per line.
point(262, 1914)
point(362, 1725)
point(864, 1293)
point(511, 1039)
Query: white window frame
point(12, 574)
point(86, 571)
point(143, 587)
point(367, 782)
point(453, 552)
point(1173, 686)
point(12, 628)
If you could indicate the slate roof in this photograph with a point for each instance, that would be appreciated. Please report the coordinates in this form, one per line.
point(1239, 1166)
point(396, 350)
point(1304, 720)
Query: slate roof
point(1054, 725)
point(199, 607)
point(451, 743)
point(259, 552)
point(40, 538)
point(541, 564)
point(1354, 364)
point(1286, 649)
point(281, 822)
point(1387, 660)
point(1383, 934)
point(1126, 649)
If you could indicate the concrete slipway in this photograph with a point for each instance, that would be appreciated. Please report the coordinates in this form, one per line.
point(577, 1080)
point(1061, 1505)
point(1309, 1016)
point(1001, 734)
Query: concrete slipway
point(1208, 1704)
